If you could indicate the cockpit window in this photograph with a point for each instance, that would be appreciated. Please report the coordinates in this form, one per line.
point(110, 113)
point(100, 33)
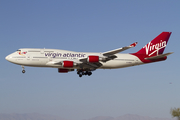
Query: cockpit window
point(18, 50)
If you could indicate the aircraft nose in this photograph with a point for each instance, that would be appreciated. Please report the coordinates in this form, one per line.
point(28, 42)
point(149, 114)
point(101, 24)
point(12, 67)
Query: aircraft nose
point(7, 58)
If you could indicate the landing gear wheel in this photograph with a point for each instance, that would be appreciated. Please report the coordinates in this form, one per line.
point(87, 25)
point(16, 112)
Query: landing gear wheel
point(86, 73)
point(89, 73)
point(23, 71)
point(80, 75)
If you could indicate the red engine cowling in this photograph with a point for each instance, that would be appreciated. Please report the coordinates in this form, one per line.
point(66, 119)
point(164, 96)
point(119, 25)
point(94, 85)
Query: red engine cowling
point(68, 64)
point(93, 59)
point(62, 70)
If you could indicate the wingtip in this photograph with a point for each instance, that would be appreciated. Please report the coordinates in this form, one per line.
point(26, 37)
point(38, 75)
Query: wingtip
point(171, 53)
point(134, 44)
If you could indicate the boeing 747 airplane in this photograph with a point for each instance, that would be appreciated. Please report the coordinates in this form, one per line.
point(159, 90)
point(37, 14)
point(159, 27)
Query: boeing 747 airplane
point(86, 62)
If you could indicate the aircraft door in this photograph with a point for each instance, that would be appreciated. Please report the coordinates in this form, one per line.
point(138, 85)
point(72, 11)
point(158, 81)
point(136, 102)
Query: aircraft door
point(50, 58)
point(28, 57)
point(42, 51)
point(136, 61)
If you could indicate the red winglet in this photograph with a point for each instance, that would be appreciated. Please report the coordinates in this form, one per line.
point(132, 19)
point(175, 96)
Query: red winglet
point(134, 44)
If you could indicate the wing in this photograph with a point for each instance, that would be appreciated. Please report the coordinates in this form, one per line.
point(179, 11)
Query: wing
point(112, 52)
point(94, 61)
point(86, 64)
point(75, 64)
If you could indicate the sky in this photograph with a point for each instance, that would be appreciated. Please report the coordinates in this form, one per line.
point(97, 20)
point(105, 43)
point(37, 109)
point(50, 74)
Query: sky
point(89, 26)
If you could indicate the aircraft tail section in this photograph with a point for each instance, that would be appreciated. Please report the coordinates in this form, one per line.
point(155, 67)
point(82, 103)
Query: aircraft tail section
point(154, 49)
point(156, 46)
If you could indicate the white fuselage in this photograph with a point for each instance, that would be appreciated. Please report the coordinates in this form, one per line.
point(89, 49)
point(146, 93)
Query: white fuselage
point(43, 58)
point(86, 62)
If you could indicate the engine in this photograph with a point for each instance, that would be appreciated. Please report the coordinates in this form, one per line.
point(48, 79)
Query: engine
point(60, 70)
point(68, 64)
point(93, 59)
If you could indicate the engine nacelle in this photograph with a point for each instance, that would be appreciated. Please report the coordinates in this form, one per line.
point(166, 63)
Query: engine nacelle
point(67, 64)
point(93, 59)
point(60, 70)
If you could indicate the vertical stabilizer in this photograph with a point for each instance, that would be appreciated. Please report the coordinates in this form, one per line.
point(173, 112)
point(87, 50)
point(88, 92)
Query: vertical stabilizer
point(156, 46)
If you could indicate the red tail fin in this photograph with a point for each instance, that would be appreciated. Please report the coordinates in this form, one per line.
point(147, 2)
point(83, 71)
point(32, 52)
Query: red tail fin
point(156, 46)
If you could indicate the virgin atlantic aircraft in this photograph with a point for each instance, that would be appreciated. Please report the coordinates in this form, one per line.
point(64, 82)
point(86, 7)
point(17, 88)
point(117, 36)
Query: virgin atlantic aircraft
point(86, 62)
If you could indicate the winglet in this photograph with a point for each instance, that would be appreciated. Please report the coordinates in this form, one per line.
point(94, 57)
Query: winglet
point(134, 44)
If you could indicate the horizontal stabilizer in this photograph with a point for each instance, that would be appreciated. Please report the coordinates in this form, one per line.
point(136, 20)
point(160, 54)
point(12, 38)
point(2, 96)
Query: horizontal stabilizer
point(158, 56)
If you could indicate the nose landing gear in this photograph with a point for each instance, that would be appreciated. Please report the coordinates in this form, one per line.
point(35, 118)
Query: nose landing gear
point(23, 71)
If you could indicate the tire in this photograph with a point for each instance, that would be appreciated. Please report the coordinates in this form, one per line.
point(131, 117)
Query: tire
point(23, 71)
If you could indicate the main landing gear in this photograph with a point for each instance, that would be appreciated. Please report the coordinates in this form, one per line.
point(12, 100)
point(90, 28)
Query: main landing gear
point(23, 71)
point(81, 73)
